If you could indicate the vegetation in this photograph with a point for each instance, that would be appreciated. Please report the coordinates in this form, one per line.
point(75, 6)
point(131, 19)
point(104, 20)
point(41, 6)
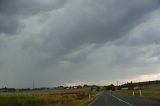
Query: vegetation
point(110, 87)
point(148, 91)
point(76, 97)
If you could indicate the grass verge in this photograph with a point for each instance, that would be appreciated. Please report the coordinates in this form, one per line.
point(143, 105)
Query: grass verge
point(151, 92)
point(46, 98)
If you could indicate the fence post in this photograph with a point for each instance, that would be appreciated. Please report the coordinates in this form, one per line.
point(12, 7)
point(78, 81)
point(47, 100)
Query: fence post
point(133, 93)
point(140, 92)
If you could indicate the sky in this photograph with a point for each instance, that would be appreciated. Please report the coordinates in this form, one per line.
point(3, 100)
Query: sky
point(71, 42)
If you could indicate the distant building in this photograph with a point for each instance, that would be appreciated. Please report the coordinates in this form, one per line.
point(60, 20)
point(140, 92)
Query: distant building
point(137, 87)
point(125, 88)
point(7, 89)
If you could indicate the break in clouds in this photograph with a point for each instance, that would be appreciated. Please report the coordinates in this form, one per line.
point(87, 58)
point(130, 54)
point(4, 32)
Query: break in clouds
point(56, 42)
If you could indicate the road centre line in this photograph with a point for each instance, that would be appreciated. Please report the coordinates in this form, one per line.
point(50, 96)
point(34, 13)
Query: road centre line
point(121, 100)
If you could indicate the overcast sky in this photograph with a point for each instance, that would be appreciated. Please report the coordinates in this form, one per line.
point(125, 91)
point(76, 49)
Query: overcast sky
point(68, 42)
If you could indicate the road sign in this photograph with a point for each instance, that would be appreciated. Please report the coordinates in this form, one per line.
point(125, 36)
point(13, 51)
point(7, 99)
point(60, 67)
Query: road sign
point(93, 89)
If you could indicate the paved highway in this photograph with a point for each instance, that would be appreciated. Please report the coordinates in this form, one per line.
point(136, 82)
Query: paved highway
point(111, 99)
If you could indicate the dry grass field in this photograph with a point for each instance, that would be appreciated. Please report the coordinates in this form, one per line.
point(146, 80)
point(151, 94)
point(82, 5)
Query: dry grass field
point(74, 97)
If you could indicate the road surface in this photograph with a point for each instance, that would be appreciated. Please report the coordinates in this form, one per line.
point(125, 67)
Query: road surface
point(111, 99)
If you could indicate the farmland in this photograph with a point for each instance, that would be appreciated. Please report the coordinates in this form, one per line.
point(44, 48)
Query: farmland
point(73, 97)
point(148, 91)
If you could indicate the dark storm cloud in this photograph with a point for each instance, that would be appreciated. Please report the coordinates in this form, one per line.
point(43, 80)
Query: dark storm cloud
point(105, 20)
point(65, 40)
point(8, 24)
point(28, 7)
point(10, 12)
point(95, 22)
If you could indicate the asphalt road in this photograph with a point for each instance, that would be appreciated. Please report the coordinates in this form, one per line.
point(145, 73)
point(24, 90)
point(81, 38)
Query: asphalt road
point(111, 99)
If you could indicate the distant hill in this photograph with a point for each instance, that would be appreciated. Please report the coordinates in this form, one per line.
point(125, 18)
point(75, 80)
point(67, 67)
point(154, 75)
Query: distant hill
point(140, 84)
point(131, 85)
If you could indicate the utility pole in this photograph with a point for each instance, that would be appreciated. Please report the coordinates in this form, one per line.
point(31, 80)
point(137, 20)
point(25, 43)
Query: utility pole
point(117, 85)
point(33, 84)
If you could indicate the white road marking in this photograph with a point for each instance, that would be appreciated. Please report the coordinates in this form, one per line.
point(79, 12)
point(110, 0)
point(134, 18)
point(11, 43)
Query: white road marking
point(122, 100)
point(94, 100)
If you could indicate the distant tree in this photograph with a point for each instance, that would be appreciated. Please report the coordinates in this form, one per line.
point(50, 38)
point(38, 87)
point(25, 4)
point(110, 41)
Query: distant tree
point(98, 88)
point(110, 87)
point(119, 87)
point(130, 86)
point(79, 86)
point(85, 85)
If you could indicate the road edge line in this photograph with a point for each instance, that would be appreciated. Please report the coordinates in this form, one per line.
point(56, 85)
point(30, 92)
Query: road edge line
point(95, 99)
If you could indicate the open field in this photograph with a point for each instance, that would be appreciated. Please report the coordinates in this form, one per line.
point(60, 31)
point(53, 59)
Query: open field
point(74, 97)
point(150, 91)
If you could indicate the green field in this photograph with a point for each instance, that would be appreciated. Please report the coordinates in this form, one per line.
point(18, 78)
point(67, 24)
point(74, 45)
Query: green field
point(76, 97)
point(150, 91)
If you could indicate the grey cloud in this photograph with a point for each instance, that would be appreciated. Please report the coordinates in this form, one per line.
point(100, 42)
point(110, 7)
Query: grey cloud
point(80, 40)
point(8, 24)
point(102, 22)
point(119, 62)
point(145, 33)
point(97, 22)
point(11, 11)
point(18, 7)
